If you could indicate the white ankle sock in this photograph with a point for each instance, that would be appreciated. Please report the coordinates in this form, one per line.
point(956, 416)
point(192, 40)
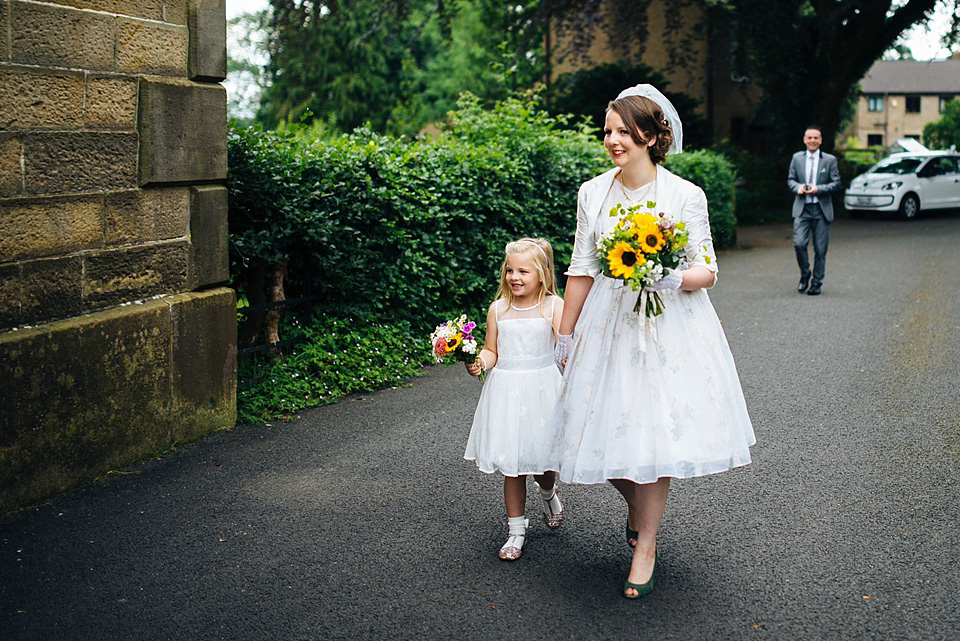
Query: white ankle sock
point(550, 497)
point(517, 525)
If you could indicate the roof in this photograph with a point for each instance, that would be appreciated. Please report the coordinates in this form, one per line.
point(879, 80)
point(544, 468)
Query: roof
point(907, 144)
point(913, 76)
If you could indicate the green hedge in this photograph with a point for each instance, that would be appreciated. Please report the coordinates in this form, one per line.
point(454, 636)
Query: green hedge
point(404, 233)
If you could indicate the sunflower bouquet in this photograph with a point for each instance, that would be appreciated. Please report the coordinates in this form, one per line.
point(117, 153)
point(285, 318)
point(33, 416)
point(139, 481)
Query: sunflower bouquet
point(639, 250)
point(453, 342)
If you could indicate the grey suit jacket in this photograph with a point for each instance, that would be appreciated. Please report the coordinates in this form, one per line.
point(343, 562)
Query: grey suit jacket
point(827, 181)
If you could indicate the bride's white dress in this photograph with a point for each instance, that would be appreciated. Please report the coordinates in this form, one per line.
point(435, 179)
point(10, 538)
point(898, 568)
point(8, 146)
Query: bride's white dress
point(640, 404)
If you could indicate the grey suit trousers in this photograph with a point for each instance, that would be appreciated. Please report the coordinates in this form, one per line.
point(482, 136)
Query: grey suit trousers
point(811, 221)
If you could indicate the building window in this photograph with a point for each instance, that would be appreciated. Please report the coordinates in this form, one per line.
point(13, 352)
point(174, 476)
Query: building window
point(874, 140)
point(874, 103)
point(943, 102)
point(913, 104)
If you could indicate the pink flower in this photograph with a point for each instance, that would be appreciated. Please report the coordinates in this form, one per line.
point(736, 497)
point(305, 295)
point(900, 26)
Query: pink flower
point(440, 347)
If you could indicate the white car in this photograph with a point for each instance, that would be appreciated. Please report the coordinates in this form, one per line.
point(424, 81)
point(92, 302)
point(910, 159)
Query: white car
point(907, 183)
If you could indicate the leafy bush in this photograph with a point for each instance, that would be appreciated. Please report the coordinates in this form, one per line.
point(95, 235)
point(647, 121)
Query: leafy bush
point(713, 173)
point(339, 356)
point(401, 235)
point(762, 195)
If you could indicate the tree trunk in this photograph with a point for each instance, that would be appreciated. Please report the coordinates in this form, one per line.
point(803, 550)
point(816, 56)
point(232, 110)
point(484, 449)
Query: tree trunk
point(271, 325)
point(253, 320)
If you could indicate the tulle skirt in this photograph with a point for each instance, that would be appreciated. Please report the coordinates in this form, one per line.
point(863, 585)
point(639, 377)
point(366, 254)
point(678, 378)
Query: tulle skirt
point(643, 400)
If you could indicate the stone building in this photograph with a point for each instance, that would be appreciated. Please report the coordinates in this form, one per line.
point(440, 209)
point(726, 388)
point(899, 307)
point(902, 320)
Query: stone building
point(898, 97)
point(117, 333)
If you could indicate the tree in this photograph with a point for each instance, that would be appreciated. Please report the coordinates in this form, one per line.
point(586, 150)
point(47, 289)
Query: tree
point(806, 55)
point(396, 64)
point(943, 133)
point(245, 65)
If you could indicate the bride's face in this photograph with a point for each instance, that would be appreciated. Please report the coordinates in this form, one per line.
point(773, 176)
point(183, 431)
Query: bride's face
point(621, 146)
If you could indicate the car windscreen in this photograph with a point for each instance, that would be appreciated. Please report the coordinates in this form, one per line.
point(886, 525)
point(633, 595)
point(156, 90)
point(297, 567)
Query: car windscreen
point(897, 166)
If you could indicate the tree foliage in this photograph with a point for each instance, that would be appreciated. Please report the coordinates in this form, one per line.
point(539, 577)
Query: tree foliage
point(943, 133)
point(805, 55)
point(395, 65)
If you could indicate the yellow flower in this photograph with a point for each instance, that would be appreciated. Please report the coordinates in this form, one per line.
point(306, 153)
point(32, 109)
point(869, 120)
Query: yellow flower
point(454, 342)
point(651, 240)
point(623, 260)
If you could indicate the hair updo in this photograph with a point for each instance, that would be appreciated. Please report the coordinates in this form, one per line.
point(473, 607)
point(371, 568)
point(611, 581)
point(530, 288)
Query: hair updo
point(643, 116)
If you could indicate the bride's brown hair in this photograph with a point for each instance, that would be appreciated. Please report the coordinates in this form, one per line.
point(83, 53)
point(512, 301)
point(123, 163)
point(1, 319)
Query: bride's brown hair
point(643, 116)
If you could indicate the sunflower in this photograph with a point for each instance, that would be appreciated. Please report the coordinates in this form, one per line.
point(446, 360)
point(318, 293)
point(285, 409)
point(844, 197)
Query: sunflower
point(622, 260)
point(453, 342)
point(651, 240)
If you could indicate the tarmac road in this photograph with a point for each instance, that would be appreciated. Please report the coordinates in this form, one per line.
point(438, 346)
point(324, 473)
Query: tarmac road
point(361, 521)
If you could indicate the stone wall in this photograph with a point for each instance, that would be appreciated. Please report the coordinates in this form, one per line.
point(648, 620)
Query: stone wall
point(117, 335)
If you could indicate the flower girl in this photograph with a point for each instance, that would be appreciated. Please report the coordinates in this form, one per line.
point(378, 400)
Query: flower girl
point(510, 430)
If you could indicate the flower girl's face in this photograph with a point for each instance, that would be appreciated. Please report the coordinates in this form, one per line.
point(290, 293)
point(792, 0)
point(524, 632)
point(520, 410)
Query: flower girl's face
point(522, 278)
point(621, 146)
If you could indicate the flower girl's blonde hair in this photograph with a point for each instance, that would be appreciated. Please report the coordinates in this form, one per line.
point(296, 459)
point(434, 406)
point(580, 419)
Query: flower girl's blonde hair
point(542, 253)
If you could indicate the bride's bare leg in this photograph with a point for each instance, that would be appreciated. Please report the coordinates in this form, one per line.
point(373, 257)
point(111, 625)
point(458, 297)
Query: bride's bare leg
point(645, 503)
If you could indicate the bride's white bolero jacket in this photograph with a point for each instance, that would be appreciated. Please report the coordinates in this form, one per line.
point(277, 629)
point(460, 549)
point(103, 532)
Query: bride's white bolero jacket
point(679, 199)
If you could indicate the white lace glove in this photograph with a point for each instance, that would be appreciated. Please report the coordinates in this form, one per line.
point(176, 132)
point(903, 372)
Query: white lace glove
point(562, 350)
point(671, 280)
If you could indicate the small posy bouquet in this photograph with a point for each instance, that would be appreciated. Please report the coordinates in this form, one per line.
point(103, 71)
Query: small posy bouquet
point(453, 342)
point(640, 249)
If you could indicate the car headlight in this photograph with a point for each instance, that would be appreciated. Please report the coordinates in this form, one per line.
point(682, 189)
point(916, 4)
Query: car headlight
point(894, 185)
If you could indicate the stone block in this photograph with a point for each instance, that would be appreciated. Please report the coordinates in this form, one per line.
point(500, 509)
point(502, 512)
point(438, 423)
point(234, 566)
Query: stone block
point(209, 262)
point(51, 288)
point(147, 47)
point(183, 132)
point(40, 227)
point(149, 9)
point(70, 162)
point(207, 25)
point(134, 273)
point(40, 99)
point(9, 295)
point(97, 392)
point(204, 362)
point(11, 168)
point(110, 102)
point(142, 215)
point(82, 396)
point(175, 11)
point(51, 36)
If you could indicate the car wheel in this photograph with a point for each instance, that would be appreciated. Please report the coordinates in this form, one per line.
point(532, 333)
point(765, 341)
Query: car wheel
point(910, 206)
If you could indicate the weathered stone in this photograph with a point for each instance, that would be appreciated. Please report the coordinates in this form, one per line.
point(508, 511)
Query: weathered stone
point(11, 169)
point(134, 273)
point(47, 35)
point(146, 215)
point(41, 227)
point(146, 47)
point(175, 11)
point(9, 295)
point(150, 9)
point(183, 132)
point(204, 362)
point(68, 162)
point(110, 102)
point(207, 23)
point(82, 396)
point(99, 391)
point(209, 263)
point(51, 288)
point(38, 99)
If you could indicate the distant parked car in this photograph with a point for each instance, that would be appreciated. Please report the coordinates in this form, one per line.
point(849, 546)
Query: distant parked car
point(907, 183)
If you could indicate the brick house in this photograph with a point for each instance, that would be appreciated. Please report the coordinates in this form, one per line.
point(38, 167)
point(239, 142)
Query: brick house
point(899, 97)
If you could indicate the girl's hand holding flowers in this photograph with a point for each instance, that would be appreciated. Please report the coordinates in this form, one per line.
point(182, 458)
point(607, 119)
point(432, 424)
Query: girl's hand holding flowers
point(453, 341)
point(672, 279)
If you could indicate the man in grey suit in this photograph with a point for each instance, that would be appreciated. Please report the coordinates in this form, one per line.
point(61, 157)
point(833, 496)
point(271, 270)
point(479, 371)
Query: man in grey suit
point(813, 177)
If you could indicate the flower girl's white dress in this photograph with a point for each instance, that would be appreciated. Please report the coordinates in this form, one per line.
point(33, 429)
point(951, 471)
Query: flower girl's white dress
point(510, 427)
point(639, 402)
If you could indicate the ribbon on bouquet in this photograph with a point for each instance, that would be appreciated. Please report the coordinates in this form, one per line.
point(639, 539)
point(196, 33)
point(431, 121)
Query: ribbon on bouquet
point(647, 325)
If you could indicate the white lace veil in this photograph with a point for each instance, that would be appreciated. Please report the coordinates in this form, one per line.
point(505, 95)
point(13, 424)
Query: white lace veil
point(669, 112)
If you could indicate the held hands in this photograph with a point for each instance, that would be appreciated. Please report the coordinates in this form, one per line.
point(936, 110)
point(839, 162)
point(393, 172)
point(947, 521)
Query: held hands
point(672, 279)
point(562, 351)
point(807, 189)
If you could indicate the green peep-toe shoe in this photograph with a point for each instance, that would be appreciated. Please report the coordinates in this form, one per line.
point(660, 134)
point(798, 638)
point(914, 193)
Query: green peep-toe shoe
point(642, 589)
